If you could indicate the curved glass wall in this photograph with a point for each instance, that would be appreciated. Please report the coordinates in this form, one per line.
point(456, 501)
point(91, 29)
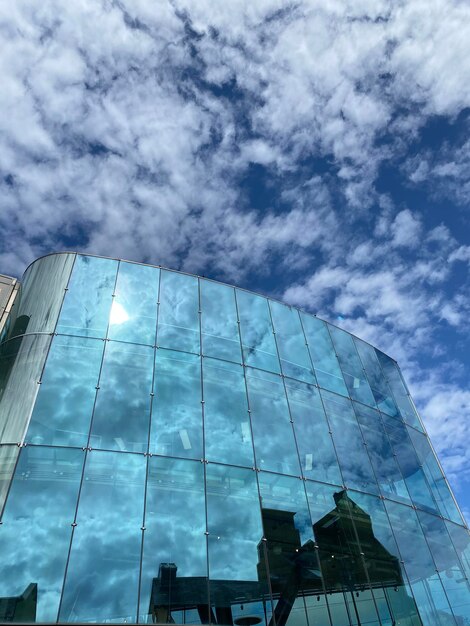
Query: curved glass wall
point(175, 450)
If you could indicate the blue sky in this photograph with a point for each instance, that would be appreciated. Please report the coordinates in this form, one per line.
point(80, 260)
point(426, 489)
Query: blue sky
point(314, 151)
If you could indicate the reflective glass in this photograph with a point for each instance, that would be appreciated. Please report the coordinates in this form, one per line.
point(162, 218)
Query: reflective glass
point(178, 315)
point(220, 336)
point(322, 352)
point(275, 447)
point(351, 365)
point(87, 303)
point(380, 389)
point(295, 360)
point(427, 589)
point(8, 456)
point(122, 410)
point(38, 303)
point(103, 570)
point(177, 411)
point(174, 583)
point(36, 530)
point(236, 549)
point(438, 484)
point(259, 345)
point(383, 461)
point(316, 450)
point(409, 464)
point(226, 419)
point(134, 309)
point(352, 454)
point(63, 409)
point(461, 540)
point(447, 563)
point(21, 362)
point(400, 393)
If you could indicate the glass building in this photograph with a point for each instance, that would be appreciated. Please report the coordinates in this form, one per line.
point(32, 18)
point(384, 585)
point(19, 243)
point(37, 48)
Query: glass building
point(175, 450)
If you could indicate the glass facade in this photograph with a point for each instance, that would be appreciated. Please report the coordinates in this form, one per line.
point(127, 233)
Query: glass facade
point(175, 450)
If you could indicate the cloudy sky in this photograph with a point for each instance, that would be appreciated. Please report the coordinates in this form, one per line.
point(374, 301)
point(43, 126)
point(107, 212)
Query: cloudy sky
point(314, 151)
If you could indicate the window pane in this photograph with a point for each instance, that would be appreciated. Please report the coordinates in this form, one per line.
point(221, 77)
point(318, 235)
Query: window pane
point(103, 571)
point(317, 453)
point(178, 316)
point(226, 419)
point(461, 540)
point(220, 336)
point(322, 352)
point(88, 300)
point(63, 409)
point(259, 346)
point(351, 366)
point(39, 513)
point(236, 552)
point(378, 384)
point(122, 410)
point(295, 361)
point(381, 455)
point(134, 310)
point(176, 411)
point(352, 454)
point(174, 567)
point(272, 431)
point(8, 456)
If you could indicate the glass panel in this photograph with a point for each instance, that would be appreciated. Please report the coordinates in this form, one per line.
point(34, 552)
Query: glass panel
point(176, 412)
point(174, 567)
point(103, 571)
point(8, 456)
point(317, 611)
point(295, 361)
point(122, 410)
point(437, 482)
point(322, 352)
point(272, 431)
point(352, 454)
point(134, 310)
point(236, 552)
point(36, 530)
point(378, 384)
point(259, 346)
point(351, 365)
point(317, 453)
point(88, 300)
point(450, 570)
point(409, 464)
point(383, 461)
point(429, 595)
point(402, 398)
point(63, 409)
point(178, 317)
point(226, 419)
point(220, 337)
point(292, 558)
point(21, 362)
point(461, 540)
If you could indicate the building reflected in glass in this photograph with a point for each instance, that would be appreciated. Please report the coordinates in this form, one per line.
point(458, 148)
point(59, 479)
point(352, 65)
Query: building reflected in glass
point(175, 450)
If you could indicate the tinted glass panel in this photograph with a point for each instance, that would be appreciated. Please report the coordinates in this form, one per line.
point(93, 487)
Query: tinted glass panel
point(272, 431)
point(178, 316)
point(63, 409)
point(36, 530)
point(174, 585)
point(176, 411)
point(295, 360)
point(380, 389)
point(134, 310)
point(103, 571)
point(88, 300)
point(122, 409)
point(322, 352)
point(8, 456)
point(226, 419)
point(461, 540)
point(259, 346)
point(317, 453)
point(220, 336)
